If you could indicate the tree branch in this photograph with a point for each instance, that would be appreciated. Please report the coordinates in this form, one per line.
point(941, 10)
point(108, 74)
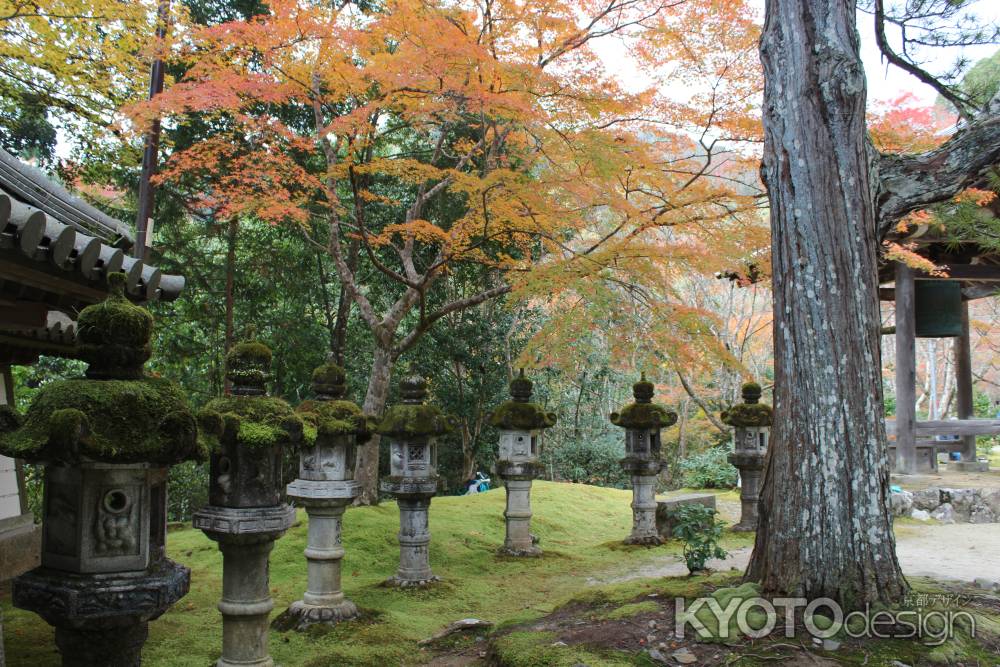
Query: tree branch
point(908, 183)
point(459, 304)
point(701, 404)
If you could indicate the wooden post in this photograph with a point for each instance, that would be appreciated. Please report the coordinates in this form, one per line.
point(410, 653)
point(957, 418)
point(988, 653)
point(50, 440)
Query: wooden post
point(152, 143)
point(963, 382)
point(906, 372)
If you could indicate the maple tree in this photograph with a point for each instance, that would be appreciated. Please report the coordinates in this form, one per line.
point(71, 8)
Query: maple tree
point(414, 138)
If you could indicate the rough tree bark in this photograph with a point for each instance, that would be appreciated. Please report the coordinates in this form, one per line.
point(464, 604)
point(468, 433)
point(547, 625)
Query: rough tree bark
point(825, 528)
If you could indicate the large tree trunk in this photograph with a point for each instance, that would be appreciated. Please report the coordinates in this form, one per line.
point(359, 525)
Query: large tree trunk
point(825, 528)
point(366, 471)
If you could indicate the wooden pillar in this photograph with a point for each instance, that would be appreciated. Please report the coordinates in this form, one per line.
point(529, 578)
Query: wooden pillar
point(906, 372)
point(963, 382)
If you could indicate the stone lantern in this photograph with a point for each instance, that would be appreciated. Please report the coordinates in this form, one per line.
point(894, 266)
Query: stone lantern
point(412, 428)
point(751, 422)
point(642, 422)
point(246, 433)
point(520, 423)
point(325, 487)
point(106, 441)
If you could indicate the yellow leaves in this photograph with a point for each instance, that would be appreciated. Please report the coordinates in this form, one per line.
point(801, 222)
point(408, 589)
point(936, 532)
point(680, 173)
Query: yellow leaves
point(420, 230)
point(906, 253)
point(81, 57)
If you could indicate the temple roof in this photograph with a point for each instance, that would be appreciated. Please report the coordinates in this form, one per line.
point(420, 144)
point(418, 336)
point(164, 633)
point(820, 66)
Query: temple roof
point(56, 252)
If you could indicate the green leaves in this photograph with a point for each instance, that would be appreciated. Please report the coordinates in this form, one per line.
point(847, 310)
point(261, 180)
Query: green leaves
point(697, 527)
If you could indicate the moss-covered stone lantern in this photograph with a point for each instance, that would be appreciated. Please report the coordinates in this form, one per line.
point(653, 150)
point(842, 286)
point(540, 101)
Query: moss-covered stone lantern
point(520, 423)
point(751, 422)
point(246, 434)
point(411, 429)
point(325, 487)
point(642, 421)
point(106, 441)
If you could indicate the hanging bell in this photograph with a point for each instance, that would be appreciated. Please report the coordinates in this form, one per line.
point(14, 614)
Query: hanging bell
point(938, 308)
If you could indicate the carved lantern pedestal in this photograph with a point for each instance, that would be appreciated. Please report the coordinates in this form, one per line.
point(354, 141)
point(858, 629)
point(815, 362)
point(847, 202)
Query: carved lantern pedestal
point(642, 422)
point(412, 428)
point(751, 422)
point(520, 423)
point(246, 433)
point(106, 442)
point(325, 487)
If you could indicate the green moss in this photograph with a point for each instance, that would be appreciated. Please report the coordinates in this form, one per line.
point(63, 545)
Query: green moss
point(10, 419)
point(632, 609)
point(249, 364)
point(644, 416)
point(113, 336)
point(117, 421)
point(521, 416)
point(253, 421)
point(329, 379)
point(542, 649)
point(414, 420)
point(335, 418)
point(748, 414)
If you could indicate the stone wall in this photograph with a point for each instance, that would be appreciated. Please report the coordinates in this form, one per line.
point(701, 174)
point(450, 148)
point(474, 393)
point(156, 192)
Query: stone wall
point(948, 505)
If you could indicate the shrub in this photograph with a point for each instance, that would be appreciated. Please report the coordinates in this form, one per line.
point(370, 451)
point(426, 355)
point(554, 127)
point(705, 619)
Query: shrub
point(696, 526)
point(589, 461)
point(709, 470)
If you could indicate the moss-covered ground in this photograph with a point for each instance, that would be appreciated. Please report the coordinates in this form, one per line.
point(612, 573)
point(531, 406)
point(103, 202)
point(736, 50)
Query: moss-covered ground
point(544, 610)
point(581, 528)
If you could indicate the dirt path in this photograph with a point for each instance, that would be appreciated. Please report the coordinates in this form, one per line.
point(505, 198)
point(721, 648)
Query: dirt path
point(962, 552)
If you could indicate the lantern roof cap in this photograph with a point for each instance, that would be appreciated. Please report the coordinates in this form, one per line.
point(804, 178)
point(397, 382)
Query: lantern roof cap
point(329, 381)
point(519, 413)
point(751, 412)
point(248, 367)
point(113, 335)
point(330, 415)
point(643, 413)
point(147, 420)
point(412, 417)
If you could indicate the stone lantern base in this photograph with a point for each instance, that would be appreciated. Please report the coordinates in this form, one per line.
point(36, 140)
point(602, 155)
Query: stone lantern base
point(414, 499)
point(101, 620)
point(323, 601)
point(517, 479)
point(246, 537)
point(751, 467)
point(644, 477)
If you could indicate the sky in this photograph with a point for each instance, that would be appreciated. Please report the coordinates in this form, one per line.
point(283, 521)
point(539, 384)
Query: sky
point(885, 82)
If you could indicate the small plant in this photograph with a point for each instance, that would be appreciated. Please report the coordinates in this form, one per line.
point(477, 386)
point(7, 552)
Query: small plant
point(709, 470)
point(696, 526)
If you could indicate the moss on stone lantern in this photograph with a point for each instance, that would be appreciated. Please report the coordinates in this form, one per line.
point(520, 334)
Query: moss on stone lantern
point(751, 422)
point(751, 412)
point(642, 421)
point(106, 441)
point(520, 423)
point(412, 428)
point(246, 432)
point(325, 487)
